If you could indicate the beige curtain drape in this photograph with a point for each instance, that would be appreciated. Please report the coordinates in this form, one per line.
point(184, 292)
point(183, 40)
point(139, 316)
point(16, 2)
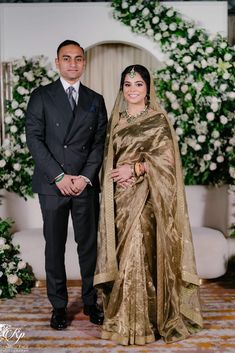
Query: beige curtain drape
point(105, 63)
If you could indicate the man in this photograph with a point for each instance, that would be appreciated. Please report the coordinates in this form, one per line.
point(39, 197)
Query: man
point(65, 128)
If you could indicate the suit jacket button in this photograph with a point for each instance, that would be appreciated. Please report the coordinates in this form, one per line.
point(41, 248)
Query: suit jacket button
point(57, 124)
point(83, 147)
point(65, 146)
point(62, 164)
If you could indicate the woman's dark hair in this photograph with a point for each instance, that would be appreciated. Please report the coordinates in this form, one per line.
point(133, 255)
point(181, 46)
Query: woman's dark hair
point(143, 73)
point(68, 42)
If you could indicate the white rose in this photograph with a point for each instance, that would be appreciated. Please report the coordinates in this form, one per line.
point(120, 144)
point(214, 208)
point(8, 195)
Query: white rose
point(184, 88)
point(150, 32)
point(12, 279)
point(17, 166)
point(223, 45)
point(2, 241)
point(232, 141)
point(188, 97)
point(15, 78)
point(13, 129)
point(170, 62)
point(223, 87)
point(184, 149)
point(179, 131)
point(227, 57)
point(223, 119)
point(210, 116)
point(213, 166)
point(182, 41)
point(170, 13)
point(207, 157)
point(155, 20)
point(2, 163)
point(145, 12)
point(231, 95)
point(7, 153)
point(23, 138)
point(21, 90)
point(124, 5)
point(197, 147)
point(201, 138)
point(226, 75)
point(133, 23)
point(193, 48)
point(163, 26)
point(14, 104)
point(179, 69)
point(204, 63)
point(173, 26)
point(173, 45)
point(175, 86)
point(19, 112)
point(190, 67)
point(132, 9)
point(21, 265)
point(158, 36)
point(175, 105)
point(220, 159)
point(186, 59)
point(232, 172)
point(8, 119)
point(209, 50)
point(215, 134)
point(214, 106)
point(217, 143)
point(191, 32)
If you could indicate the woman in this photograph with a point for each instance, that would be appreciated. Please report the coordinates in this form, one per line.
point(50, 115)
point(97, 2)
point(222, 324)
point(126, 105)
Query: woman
point(145, 267)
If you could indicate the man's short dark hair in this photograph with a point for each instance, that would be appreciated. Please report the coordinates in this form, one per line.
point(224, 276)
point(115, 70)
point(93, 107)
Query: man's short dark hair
point(68, 42)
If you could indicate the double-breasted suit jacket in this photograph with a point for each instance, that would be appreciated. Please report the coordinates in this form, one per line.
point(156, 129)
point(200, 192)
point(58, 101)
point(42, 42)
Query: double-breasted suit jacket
point(61, 141)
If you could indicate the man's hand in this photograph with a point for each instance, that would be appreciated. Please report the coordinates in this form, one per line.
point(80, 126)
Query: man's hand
point(79, 185)
point(66, 185)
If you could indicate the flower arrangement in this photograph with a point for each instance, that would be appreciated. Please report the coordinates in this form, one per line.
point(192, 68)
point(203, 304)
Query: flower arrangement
point(196, 88)
point(15, 274)
point(16, 164)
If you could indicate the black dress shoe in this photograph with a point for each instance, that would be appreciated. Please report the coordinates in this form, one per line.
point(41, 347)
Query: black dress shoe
point(95, 314)
point(59, 319)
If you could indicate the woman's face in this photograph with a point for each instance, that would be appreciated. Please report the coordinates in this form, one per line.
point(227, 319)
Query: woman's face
point(134, 89)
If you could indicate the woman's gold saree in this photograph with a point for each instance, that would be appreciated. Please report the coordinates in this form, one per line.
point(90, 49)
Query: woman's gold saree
point(146, 265)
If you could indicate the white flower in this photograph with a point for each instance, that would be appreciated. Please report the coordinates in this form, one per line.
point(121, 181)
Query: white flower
point(21, 265)
point(150, 32)
point(231, 95)
point(232, 141)
point(175, 86)
point(170, 13)
point(158, 36)
point(220, 159)
point(215, 134)
point(12, 279)
point(182, 41)
point(179, 131)
point(23, 138)
point(175, 105)
point(29, 76)
point(201, 138)
point(124, 5)
point(214, 106)
point(226, 75)
point(2, 241)
point(213, 166)
point(184, 149)
point(232, 172)
point(2, 163)
point(227, 57)
point(21, 90)
point(19, 112)
point(223, 119)
point(133, 23)
point(17, 166)
point(132, 9)
point(179, 69)
point(163, 26)
point(217, 143)
point(191, 32)
point(207, 157)
point(173, 26)
point(173, 45)
point(223, 87)
point(210, 116)
point(193, 48)
point(223, 45)
point(186, 59)
point(188, 97)
point(13, 129)
point(14, 104)
point(15, 78)
point(204, 63)
point(8, 119)
point(197, 147)
point(7, 153)
point(184, 88)
point(170, 62)
point(209, 50)
point(145, 12)
point(190, 67)
point(155, 20)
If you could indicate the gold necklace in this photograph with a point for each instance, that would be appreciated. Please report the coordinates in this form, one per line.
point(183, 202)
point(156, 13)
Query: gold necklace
point(129, 118)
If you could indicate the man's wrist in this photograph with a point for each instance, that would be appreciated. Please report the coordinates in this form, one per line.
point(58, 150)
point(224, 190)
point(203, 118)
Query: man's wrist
point(59, 177)
point(87, 180)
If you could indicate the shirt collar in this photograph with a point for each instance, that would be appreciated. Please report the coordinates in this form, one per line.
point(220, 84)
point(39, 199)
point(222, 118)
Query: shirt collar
point(65, 84)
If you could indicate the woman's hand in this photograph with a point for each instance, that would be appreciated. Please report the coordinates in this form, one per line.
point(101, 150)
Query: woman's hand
point(122, 173)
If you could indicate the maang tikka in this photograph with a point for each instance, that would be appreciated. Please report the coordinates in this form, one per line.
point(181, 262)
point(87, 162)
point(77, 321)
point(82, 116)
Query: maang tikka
point(132, 73)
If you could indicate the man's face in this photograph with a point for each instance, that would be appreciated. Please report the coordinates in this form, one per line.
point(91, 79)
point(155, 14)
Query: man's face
point(70, 63)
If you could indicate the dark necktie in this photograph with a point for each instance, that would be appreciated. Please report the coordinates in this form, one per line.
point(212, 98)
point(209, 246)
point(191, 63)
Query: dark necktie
point(72, 102)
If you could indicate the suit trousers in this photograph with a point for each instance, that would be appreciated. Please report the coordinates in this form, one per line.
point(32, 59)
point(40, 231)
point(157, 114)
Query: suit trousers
point(84, 211)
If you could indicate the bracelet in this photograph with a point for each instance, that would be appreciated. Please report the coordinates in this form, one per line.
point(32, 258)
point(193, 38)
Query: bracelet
point(59, 178)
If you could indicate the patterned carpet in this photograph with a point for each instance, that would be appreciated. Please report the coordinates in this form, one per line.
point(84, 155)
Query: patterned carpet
point(28, 331)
